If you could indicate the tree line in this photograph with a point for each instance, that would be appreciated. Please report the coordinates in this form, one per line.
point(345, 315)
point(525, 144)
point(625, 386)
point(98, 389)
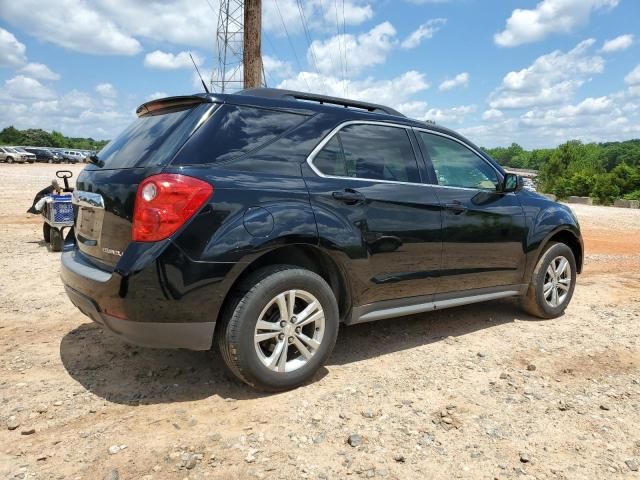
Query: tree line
point(604, 171)
point(35, 137)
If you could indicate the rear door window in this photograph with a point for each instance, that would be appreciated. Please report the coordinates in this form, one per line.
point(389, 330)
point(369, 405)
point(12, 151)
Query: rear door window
point(372, 152)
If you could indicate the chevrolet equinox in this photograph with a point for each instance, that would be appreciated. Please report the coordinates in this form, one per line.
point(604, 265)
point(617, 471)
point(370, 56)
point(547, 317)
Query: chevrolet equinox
point(259, 221)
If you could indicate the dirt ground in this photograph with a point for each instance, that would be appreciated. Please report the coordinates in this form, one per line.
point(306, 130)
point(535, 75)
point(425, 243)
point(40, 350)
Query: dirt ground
point(477, 392)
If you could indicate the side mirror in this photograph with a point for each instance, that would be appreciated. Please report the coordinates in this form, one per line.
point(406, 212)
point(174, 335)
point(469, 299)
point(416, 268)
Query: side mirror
point(511, 183)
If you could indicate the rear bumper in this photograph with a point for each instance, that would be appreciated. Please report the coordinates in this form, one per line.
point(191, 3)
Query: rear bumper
point(193, 336)
point(117, 304)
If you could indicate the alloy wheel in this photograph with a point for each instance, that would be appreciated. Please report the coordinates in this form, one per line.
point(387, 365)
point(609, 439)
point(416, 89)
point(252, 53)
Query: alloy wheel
point(557, 281)
point(289, 331)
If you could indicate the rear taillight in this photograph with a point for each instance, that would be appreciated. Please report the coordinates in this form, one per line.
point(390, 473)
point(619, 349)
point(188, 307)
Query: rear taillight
point(164, 203)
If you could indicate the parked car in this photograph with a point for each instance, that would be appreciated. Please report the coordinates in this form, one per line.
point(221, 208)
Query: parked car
point(44, 155)
point(11, 155)
point(260, 221)
point(29, 157)
point(72, 156)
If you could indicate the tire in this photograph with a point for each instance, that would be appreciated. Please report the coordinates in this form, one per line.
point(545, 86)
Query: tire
point(46, 232)
point(9, 159)
point(56, 240)
point(50, 160)
point(537, 301)
point(253, 300)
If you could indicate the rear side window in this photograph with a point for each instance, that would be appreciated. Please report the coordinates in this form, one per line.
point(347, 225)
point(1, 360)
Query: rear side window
point(235, 131)
point(152, 140)
point(374, 152)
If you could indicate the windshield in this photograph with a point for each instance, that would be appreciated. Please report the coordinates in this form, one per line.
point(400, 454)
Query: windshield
point(152, 139)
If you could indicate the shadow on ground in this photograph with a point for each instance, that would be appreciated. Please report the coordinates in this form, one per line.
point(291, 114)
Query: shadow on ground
point(131, 375)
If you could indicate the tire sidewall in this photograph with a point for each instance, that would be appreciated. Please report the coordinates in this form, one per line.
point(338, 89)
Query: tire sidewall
point(249, 310)
point(558, 249)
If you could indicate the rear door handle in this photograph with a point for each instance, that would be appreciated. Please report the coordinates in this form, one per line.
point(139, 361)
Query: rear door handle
point(456, 207)
point(349, 196)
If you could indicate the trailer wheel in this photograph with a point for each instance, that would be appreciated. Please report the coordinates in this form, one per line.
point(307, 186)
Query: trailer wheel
point(46, 232)
point(56, 240)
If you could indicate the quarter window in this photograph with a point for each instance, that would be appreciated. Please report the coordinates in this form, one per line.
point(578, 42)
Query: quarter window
point(457, 166)
point(375, 152)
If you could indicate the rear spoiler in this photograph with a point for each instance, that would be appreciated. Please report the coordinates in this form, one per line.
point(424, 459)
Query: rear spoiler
point(163, 105)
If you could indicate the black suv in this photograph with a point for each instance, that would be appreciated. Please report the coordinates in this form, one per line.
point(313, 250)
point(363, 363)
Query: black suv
point(44, 155)
point(260, 221)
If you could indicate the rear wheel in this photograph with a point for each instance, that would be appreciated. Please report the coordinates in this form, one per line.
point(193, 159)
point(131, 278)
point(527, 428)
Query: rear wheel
point(280, 328)
point(552, 282)
point(56, 240)
point(46, 232)
point(9, 159)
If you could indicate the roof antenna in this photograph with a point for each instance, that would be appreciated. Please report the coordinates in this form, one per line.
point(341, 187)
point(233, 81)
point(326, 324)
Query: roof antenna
point(204, 85)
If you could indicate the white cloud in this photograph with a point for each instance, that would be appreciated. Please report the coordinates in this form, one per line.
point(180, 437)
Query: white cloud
point(319, 15)
point(617, 44)
point(114, 27)
point(386, 92)
point(276, 68)
point(80, 28)
point(170, 61)
point(492, 114)
point(21, 87)
point(552, 78)
point(568, 115)
point(365, 50)
point(421, 111)
point(106, 90)
point(460, 80)
point(549, 16)
point(12, 52)
point(39, 70)
point(156, 95)
point(424, 31)
point(633, 77)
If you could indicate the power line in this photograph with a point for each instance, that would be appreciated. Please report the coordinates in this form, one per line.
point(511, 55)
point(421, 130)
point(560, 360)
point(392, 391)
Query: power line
point(291, 43)
point(340, 48)
point(346, 56)
point(310, 43)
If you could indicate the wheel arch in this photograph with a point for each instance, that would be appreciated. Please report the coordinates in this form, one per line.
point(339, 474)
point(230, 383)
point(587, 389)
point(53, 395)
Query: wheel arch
point(305, 256)
point(563, 234)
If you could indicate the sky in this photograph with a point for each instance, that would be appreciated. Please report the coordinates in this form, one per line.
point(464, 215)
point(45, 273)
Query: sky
point(537, 73)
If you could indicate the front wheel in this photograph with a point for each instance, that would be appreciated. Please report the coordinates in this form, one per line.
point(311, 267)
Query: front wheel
point(280, 328)
point(552, 282)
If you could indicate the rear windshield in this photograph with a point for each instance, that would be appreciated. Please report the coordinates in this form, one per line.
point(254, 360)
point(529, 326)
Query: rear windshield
point(151, 140)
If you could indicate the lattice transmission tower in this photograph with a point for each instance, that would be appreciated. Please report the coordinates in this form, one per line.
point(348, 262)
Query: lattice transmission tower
point(228, 75)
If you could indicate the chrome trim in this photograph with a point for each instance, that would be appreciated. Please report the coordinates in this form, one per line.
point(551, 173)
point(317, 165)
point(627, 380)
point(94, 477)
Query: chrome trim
point(333, 132)
point(87, 199)
point(430, 306)
point(330, 136)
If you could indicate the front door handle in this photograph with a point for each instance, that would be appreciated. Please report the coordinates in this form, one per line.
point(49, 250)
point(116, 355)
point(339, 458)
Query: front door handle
point(456, 207)
point(349, 196)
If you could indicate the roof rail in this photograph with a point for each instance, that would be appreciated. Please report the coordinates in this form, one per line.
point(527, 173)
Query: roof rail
point(322, 99)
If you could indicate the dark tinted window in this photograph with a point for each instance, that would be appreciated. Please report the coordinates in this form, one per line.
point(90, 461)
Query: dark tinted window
point(330, 160)
point(152, 140)
point(374, 152)
point(457, 166)
point(234, 131)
